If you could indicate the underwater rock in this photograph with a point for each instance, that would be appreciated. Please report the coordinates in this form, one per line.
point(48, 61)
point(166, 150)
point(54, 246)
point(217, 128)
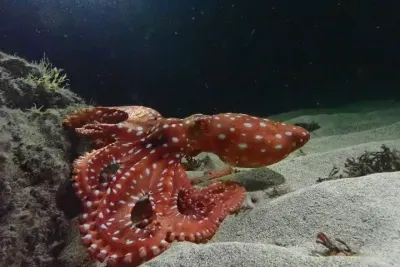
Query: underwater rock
point(35, 158)
point(26, 85)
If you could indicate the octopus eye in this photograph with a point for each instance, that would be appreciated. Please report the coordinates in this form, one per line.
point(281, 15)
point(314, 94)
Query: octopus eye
point(157, 140)
point(202, 125)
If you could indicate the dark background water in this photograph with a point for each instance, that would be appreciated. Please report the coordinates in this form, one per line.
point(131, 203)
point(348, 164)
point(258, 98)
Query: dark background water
point(182, 57)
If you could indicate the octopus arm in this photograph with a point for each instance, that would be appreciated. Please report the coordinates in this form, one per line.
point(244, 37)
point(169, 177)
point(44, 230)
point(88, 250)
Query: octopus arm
point(104, 125)
point(129, 225)
point(117, 132)
point(91, 115)
point(196, 213)
point(90, 178)
point(229, 194)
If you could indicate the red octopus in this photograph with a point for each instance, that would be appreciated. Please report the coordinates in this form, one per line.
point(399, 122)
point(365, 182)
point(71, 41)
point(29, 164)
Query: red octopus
point(135, 212)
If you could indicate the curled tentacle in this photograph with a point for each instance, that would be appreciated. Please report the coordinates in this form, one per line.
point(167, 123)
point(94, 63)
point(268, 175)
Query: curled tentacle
point(197, 213)
point(96, 123)
point(129, 223)
point(91, 115)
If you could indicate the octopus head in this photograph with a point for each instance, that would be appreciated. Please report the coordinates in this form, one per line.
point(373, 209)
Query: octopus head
point(245, 141)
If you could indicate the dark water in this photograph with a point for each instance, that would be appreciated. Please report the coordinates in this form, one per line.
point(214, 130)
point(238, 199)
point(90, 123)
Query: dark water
point(183, 57)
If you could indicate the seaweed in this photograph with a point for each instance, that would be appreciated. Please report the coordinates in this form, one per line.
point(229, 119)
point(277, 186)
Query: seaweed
point(309, 126)
point(334, 248)
point(49, 76)
point(387, 160)
point(33, 86)
point(278, 191)
point(301, 152)
point(192, 164)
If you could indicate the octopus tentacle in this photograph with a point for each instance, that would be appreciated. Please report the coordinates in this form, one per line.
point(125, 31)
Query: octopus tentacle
point(115, 132)
point(110, 115)
point(86, 179)
point(88, 168)
point(194, 215)
point(230, 194)
point(84, 116)
point(91, 120)
point(117, 234)
point(197, 213)
point(140, 113)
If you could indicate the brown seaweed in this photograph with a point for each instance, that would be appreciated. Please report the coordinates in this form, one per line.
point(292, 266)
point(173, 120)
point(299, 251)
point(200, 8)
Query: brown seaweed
point(386, 160)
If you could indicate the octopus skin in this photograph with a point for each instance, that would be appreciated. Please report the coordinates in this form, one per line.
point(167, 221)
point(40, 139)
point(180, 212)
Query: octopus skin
point(134, 213)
